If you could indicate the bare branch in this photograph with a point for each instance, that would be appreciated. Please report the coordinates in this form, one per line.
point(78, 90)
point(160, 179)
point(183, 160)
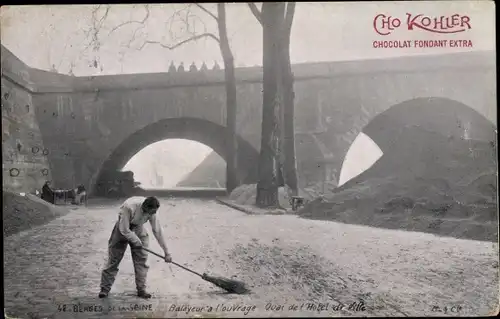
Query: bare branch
point(255, 11)
point(192, 18)
point(183, 19)
point(146, 17)
point(105, 15)
point(188, 20)
point(94, 30)
point(184, 16)
point(194, 38)
point(170, 22)
point(97, 27)
point(207, 11)
point(188, 11)
point(62, 56)
point(129, 43)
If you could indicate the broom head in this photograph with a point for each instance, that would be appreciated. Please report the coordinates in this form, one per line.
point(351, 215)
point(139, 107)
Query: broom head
point(230, 285)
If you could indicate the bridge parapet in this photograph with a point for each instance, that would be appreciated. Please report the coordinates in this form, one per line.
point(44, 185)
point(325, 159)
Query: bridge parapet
point(49, 82)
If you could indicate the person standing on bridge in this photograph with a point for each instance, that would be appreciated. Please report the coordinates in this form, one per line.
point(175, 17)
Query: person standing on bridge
point(129, 229)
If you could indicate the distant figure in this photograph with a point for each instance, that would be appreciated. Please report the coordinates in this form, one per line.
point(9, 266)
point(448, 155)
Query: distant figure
point(181, 67)
point(204, 67)
point(172, 67)
point(47, 193)
point(216, 66)
point(71, 69)
point(80, 195)
point(192, 67)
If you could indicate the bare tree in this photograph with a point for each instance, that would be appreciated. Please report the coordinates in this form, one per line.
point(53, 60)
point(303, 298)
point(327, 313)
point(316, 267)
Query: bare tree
point(277, 165)
point(189, 19)
point(231, 106)
point(93, 34)
point(290, 164)
point(269, 168)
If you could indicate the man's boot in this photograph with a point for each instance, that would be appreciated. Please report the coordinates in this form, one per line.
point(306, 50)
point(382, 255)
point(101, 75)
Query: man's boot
point(103, 294)
point(143, 294)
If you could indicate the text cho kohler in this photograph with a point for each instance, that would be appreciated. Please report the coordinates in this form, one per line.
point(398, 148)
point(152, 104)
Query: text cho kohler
point(441, 26)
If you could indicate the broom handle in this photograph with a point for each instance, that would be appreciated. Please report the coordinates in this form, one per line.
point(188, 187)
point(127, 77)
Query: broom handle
point(180, 266)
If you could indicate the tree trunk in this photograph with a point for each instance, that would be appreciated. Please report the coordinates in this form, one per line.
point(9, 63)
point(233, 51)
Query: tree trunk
point(232, 180)
point(290, 165)
point(267, 186)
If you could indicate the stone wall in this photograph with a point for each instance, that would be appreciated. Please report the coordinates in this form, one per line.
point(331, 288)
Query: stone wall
point(24, 161)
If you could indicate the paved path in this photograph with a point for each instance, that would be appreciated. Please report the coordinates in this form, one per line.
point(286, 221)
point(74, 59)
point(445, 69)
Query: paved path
point(53, 271)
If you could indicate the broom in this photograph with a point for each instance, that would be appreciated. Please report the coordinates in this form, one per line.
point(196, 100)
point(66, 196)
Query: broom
point(230, 285)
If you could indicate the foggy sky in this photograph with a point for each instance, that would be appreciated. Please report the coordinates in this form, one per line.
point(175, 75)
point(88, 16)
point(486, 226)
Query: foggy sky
point(46, 35)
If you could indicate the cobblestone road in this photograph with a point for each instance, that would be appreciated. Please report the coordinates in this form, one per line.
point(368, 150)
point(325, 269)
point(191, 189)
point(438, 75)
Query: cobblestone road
point(53, 271)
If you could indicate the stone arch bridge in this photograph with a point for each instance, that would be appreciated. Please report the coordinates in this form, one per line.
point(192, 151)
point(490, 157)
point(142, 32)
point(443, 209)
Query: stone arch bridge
point(91, 125)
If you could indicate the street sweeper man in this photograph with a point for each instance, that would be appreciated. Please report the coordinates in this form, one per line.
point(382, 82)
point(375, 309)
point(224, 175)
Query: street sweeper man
point(129, 230)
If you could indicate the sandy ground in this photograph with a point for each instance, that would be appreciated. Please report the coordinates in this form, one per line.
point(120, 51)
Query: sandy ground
point(288, 262)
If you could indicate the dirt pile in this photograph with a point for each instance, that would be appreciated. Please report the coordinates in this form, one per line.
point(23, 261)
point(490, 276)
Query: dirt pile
point(25, 212)
point(433, 184)
point(246, 195)
point(298, 272)
point(275, 266)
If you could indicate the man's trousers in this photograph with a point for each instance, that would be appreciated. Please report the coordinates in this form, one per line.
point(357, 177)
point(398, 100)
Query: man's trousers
point(117, 245)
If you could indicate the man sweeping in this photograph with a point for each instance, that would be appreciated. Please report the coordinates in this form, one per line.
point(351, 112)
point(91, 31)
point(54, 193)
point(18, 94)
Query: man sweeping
point(129, 230)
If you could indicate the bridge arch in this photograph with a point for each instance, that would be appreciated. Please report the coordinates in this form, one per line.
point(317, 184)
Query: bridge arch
point(199, 130)
point(394, 130)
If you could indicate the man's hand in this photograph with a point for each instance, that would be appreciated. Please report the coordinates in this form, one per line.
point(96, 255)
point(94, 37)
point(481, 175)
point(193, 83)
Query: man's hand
point(168, 257)
point(137, 245)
